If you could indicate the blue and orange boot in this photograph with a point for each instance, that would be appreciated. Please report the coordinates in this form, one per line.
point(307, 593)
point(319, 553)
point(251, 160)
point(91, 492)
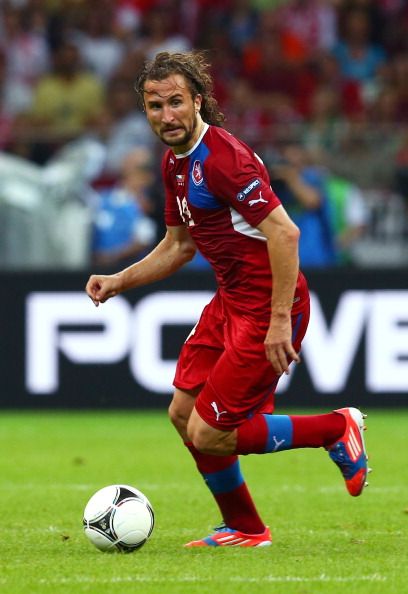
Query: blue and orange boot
point(349, 452)
point(227, 537)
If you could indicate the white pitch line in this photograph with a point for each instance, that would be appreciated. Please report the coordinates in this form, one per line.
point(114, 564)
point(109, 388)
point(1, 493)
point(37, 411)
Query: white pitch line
point(373, 489)
point(175, 487)
point(81, 487)
point(403, 488)
point(322, 578)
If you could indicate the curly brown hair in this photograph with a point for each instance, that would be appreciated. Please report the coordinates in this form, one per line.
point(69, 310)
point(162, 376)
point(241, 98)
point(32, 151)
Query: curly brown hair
point(195, 69)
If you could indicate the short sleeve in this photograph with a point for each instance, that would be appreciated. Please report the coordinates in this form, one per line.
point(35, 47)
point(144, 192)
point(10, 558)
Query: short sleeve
point(172, 216)
point(238, 177)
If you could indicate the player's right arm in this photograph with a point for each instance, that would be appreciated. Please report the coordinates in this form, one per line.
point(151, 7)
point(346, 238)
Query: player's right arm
point(282, 242)
point(174, 250)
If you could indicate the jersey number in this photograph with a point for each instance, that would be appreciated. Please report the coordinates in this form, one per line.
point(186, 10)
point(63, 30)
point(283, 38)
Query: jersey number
point(185, 212)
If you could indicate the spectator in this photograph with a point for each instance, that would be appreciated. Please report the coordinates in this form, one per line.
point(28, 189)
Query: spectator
point(393, 25)
point(127, 18)
point(7, 95)
point(245, 116)
point(240, 24)
point(100, 50)
point(14, 98)
point(301, 188)
point(159, 35)
point(322, 130)
point(328, 74)
point(358, 57)
point(277, 70)
point(26, 55)
point(226, 69)
point(65, 99)
point(123, 228)
point(384, 111)
point(275, 79)
point(399, 80)
point(120, 126)
point(373, 10)
point(349, 216)
point(309, 26)
point(401, 169)
point(202, 20)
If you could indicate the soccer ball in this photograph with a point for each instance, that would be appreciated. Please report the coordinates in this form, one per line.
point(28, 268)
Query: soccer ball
point(118, 517)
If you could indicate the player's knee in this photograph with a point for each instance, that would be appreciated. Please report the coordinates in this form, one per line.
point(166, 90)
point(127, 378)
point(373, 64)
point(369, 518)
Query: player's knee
point(206, 442)
point(178, 416)
point(202, 444)
point(180, 410)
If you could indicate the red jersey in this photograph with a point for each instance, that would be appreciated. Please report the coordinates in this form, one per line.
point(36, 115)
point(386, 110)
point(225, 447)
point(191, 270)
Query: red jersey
point(220, 190)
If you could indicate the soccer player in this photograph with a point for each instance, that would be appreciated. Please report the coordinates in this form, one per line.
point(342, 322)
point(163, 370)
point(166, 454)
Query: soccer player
point(219, 199)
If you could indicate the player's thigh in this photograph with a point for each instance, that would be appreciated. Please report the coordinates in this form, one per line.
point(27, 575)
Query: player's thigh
point(243, 382)
point(300, 322)
point(202, 348)
point(235, 391)
point(241, 379)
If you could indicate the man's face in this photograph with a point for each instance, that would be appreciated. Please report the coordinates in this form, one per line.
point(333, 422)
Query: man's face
point(67, 60)
point(172, 112)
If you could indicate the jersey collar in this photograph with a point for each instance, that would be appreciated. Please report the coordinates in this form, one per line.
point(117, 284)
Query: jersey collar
point(193, 148)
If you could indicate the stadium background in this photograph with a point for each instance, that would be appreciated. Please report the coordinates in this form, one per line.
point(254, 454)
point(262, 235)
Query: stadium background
point(281, 79)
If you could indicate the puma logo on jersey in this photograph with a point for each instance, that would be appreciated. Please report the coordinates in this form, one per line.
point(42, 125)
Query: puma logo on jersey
point(217, 412)
point(260, 199)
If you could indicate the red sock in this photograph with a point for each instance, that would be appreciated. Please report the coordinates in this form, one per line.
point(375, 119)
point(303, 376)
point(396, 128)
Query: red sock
point(315, 431)
point(224, 479)
point(271, 433)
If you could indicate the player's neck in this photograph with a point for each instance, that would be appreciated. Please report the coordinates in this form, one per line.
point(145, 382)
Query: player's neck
point(198, 130)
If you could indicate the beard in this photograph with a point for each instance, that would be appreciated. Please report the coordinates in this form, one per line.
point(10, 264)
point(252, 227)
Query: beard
point(181, 140)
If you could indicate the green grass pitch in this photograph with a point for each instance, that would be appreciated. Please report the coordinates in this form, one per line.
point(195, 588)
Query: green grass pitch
point(324, 540)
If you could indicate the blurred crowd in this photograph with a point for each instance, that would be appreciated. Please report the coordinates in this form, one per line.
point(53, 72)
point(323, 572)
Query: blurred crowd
point(319, 88)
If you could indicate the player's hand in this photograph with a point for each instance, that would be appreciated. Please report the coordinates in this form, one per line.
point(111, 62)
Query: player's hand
point(102, 287)
point(278, 344)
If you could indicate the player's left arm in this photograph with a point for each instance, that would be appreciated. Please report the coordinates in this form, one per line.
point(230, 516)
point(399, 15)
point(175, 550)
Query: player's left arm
point(173, 251)
point(282, 239)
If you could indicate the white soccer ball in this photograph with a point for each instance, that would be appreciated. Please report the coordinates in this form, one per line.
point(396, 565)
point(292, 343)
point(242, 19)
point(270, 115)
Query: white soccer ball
point(118, 517)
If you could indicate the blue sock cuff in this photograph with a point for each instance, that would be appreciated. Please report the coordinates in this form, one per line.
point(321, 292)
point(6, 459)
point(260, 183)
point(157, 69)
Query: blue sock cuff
point(224, 481)
point(280, 433)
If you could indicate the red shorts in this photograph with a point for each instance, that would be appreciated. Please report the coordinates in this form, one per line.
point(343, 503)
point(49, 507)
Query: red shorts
point(224, 358)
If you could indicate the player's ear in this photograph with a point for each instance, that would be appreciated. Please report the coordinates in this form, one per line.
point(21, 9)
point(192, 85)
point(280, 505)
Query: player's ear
point(197, 102)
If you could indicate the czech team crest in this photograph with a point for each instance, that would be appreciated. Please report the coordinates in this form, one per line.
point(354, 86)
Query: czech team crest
point(197, 173)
